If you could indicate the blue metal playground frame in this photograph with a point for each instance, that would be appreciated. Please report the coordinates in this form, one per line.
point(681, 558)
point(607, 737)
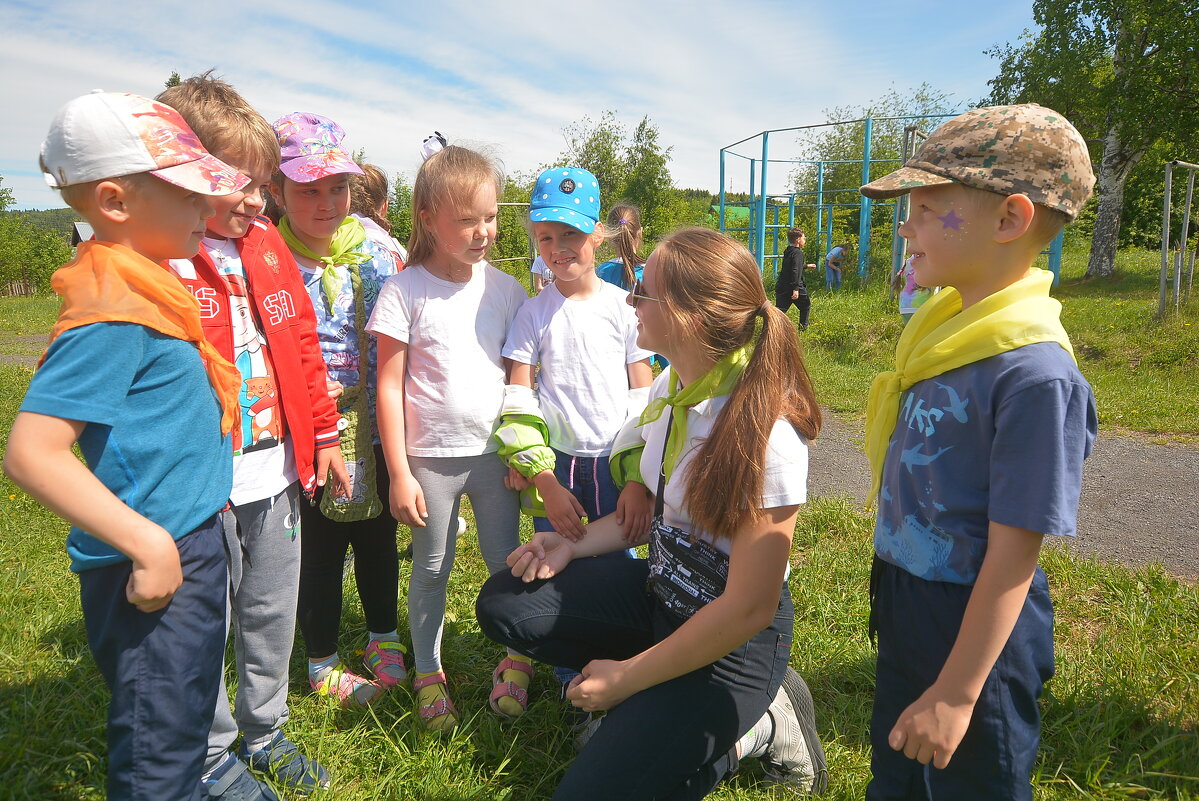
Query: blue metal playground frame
point(760, 204)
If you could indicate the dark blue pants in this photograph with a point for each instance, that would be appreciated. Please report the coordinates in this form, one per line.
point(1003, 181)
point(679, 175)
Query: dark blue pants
point(670, 741)
point(163, 669)
point(918, 622)
point(589, 479)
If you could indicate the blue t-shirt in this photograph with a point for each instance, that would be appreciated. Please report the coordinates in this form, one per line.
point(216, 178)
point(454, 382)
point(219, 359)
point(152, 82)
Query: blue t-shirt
point(613, 272)
point(834, 256)
point(1001, 439)
point(153, 426)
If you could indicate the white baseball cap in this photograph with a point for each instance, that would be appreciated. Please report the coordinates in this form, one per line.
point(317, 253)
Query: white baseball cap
point(107, 135)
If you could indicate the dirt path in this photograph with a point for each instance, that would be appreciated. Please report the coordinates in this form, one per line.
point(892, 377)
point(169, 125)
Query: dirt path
point(1140, 501)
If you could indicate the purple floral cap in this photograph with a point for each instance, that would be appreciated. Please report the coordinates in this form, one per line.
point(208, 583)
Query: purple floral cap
point(310, 148)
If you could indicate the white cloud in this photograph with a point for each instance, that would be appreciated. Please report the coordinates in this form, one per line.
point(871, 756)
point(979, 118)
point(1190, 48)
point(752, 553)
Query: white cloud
point(513, 75)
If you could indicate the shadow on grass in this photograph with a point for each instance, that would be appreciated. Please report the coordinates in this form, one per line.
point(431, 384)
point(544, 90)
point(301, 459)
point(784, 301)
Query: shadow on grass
point(53, 740)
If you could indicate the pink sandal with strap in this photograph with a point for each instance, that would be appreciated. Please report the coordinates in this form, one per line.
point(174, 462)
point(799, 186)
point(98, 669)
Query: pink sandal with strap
point(509, 689)
point(441, 715)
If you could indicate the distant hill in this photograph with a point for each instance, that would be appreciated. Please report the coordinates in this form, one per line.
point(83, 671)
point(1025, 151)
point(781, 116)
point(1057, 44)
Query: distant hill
point(57, 221)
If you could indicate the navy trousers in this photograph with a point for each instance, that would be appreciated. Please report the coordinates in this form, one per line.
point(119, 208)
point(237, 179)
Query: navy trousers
point(670, 741)
point(163, 669)
point(917, 623)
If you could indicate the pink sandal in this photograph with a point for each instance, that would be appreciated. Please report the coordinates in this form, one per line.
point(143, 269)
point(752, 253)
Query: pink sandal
point(509, 689)
point(441, 715)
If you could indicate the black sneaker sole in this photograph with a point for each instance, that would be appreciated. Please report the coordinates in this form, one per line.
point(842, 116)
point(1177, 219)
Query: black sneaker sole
point(805, 712)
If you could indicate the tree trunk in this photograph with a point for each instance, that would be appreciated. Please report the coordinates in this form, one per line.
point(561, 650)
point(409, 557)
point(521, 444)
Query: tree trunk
point(1119, 157)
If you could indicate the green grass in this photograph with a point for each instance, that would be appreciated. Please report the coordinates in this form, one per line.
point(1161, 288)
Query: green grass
point(1120, 717)
point(1143, 371)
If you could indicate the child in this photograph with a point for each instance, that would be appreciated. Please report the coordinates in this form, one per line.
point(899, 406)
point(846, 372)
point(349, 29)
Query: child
point(624, 226)
point(369, 201)
point(687, 650)
point(255, 310)
point(832, 266)
point(542, 275)
point(342, 269)
point(440, 326)
point(592, 375)
point(152, 425)
point(790, 289)
point(911, 295)
point(978, 439)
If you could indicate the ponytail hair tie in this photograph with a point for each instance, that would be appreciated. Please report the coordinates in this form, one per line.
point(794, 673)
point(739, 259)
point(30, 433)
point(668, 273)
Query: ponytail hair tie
point(763, 310)
point(432, 144)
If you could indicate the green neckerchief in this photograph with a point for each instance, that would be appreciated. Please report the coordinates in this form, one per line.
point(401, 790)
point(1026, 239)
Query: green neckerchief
point(350, 234)
point(720, 380)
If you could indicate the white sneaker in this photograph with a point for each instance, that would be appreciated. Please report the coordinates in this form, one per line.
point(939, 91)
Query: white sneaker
point(794, 757)
point(461, 526)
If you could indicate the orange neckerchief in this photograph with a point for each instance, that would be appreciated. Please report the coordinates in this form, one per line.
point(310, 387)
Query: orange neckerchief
point(112, 283)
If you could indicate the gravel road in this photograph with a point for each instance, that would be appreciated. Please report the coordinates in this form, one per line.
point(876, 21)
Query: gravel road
point(1140, 500)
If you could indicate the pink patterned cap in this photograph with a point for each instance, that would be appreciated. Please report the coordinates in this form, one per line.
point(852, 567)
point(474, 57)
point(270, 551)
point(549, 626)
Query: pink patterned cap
point(107, 135)
point(310, 148)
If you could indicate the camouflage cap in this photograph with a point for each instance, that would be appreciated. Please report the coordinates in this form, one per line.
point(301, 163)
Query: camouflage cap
point(1012, 150)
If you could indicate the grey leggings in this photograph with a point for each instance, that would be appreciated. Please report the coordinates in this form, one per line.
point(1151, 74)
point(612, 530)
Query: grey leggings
point(444, 480)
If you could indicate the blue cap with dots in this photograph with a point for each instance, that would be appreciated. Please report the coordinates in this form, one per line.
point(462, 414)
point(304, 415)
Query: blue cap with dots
point(568, 195)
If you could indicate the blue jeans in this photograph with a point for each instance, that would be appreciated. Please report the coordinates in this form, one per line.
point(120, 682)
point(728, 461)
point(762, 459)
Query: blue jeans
point(163, 669)
point(590, 480)
point(669, 741)
point(918, 622)
point(832, 278)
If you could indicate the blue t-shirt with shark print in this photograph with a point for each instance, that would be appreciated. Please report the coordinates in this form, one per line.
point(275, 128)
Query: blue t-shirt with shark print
point(1001, 439)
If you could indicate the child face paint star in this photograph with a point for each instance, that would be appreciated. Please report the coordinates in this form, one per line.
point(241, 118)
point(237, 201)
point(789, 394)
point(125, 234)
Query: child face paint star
point(939, 236)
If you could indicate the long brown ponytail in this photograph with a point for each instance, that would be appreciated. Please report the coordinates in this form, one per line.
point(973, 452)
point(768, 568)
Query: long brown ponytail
point(712, 287)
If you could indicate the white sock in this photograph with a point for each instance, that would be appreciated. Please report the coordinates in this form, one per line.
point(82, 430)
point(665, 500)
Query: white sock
point(318, 670)
point(753, 743)
point(391, 636)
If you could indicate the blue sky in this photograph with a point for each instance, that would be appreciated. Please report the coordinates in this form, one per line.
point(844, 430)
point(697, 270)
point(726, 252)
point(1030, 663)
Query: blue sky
point(506, 76)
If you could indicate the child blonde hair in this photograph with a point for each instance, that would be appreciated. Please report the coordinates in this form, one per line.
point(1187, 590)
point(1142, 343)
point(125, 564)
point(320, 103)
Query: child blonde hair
point(624, 229)
point(450, 176)
point(227, 125)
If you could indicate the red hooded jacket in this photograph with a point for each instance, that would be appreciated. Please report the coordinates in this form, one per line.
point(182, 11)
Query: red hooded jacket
point(289, 325)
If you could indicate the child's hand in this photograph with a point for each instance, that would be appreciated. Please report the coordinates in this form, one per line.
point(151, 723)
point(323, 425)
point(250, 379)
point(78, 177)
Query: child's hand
point(562, 508)
point(634, 511)
point(330, 460)
point(408, 501)
point(932, 728)
point(156, 573)
point(794, 294)
point(542, 557)
point(599, 687)
point(515, 481)
point(334, 388)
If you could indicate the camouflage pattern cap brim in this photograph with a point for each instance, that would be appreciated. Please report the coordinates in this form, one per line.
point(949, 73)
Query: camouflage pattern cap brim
point(1011, 150)
point(902, 181)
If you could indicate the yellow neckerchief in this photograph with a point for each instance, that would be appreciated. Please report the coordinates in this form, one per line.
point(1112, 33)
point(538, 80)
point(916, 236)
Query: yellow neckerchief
point(349, 235)
point(941, 337)
point(112, 283)
point(719, 380)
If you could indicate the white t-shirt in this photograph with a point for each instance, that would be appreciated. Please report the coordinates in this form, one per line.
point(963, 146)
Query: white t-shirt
point(539, 267)
point(263, 461)
point(454, 378)
point(583, 347)
point(785, 482)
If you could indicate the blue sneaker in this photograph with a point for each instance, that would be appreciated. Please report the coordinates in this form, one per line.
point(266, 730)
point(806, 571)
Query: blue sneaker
point(232, 781)
point(282, 761)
